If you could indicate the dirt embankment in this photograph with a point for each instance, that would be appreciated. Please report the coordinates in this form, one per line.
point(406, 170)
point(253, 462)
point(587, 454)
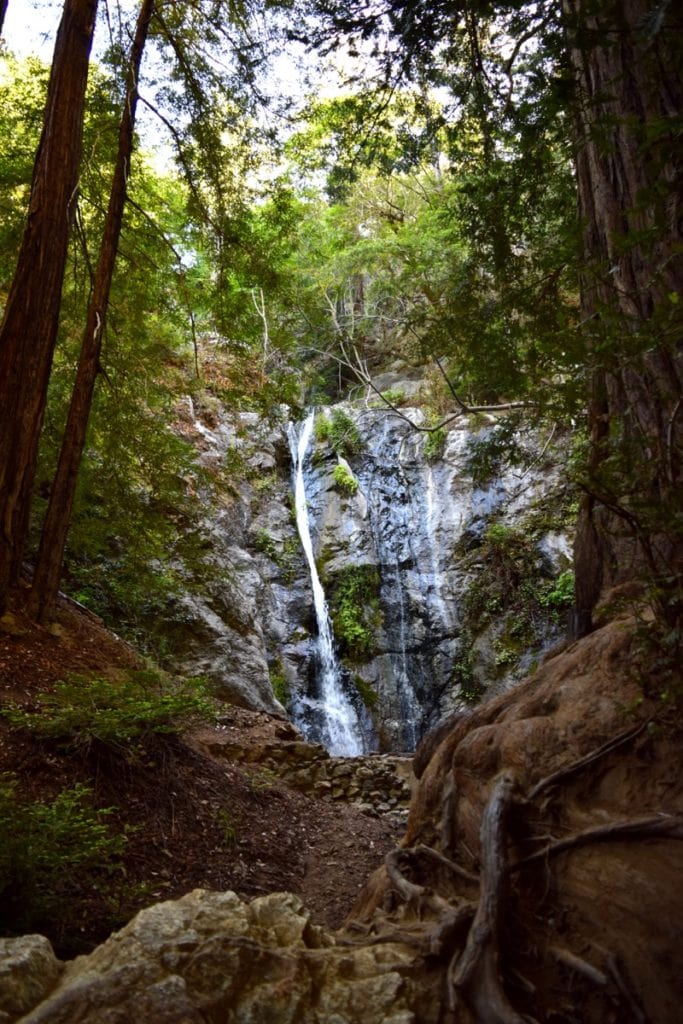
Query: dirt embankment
point(191, 820)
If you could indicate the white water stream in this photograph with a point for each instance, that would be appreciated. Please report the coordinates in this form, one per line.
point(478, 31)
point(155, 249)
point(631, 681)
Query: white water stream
point(334, 719)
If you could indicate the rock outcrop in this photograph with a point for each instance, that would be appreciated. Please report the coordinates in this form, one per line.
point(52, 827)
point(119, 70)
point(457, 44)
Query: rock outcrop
point(29, 969)
point(211, 957)
point(411, 546)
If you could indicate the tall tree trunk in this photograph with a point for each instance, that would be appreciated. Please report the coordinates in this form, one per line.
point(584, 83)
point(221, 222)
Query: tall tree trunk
point(626, 58)
point(3, 12)
point(29, 327)
point(58, 516)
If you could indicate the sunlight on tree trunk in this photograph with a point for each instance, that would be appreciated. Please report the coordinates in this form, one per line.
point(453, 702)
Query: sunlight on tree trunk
point(29, 327)
point(55, 528)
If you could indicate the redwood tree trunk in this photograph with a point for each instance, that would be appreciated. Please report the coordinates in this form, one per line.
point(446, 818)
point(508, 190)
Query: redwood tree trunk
point(628, 112)
point(29, 328)
point(58, 516)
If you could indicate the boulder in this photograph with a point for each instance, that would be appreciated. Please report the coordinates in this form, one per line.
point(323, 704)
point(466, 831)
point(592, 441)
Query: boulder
point(211, 957)
point(29, 969)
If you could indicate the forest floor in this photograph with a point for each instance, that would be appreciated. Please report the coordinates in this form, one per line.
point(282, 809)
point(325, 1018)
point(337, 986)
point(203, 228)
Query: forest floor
point(192, 822)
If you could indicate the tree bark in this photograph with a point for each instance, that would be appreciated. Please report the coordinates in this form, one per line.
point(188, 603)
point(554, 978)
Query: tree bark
point(628, 105)
point(29, 327)
point(58, 516)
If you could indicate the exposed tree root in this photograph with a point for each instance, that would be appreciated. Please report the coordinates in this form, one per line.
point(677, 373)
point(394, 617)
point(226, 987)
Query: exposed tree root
point(626, 991)
point(469, 935)
point(594, 755)
point(578, 965)
point(408, 891)
point(476, 971)
point(428, 851)
point(656, 827)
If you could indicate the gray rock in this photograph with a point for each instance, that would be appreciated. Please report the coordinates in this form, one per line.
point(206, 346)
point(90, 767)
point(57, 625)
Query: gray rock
point(209, 956)
point(29, 969)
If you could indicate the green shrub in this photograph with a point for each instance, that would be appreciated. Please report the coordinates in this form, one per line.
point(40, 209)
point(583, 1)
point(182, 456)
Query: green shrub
point(340, 431)
point(434, 444)
point(49, 849)
point(83, 711)
point(284, 553)
point(394, 396)
point(561, 592)
point(354, 608)
point(266, 544)
point(344, 480)
point(278, 683)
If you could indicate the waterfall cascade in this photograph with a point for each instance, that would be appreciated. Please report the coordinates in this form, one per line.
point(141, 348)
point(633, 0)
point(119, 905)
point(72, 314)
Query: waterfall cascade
point(329, 718)
point(409, 557)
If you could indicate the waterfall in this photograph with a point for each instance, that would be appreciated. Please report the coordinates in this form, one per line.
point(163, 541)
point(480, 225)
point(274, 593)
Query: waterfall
point(330, 718)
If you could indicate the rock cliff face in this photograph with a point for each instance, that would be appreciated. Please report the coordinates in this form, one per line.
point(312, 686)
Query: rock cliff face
point(436, 568)
point(409, 549)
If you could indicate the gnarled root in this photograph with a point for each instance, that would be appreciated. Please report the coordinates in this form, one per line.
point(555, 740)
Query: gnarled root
point(476, 971)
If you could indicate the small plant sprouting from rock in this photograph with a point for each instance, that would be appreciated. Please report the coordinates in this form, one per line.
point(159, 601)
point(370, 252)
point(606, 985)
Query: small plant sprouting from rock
point(434, 444)
point(340, 431)
point(278, 683)
point(283, 553)
point(344, 480)
point(368, 694)
point(355, 611)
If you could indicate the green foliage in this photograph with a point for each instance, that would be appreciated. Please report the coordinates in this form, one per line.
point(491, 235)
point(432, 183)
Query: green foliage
point(344, 480)
point(394, 396)
point(561, 592)
point(284, 553)
point(227, 826)
point(510, 595)
point(488, 454)
point(340, 431)
point(48, 850)
point(434, 444)
point(84, 712)
point(367, 693)
point(278, 683)
point(463, 679)
point(354, 608)
point(266, 544)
